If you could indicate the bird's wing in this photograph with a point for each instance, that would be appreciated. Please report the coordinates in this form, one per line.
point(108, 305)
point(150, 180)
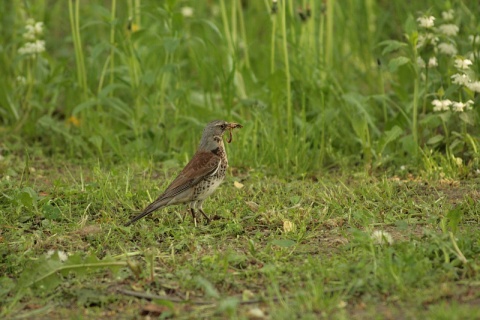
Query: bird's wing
point(202, 165)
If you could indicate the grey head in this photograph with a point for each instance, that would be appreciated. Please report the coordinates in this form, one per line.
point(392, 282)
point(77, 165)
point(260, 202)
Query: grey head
point(213, 133)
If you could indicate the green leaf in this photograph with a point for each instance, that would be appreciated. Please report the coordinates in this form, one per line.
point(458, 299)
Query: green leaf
point(388, 137)
point(208, 287)
point(391, 45)
point(434, 140)
point(27, 197)
point(408, 144)
point(445, 116)
point(432, 120)
point(284, 243)
point(171, 44)
point(84, 106)
point(96, 141)
point(229, 304)
point(46, 273)
point(454, 217)
point(467, 118)
point(295, 200)
point(395, 63)
point(86, 296)
point(51, 212)
point(6, 285)
point(410, 25)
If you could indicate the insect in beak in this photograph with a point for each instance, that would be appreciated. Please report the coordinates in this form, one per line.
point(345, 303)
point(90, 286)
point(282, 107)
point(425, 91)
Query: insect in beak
point(232, 126)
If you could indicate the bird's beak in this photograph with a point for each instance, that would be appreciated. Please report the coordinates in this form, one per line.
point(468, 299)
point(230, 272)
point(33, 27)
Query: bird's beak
point(230, 127)
point(233, 125)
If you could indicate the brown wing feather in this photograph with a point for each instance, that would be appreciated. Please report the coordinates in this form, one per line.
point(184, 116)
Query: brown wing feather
point(202, 165)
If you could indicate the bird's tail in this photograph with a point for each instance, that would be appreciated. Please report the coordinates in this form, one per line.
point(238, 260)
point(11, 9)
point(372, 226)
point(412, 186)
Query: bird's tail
point(151, 207)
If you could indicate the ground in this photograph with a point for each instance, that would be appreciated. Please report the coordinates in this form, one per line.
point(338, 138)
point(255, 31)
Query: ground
point(277, 247)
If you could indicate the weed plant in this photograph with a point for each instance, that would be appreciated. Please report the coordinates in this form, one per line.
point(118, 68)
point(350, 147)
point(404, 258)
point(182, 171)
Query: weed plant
point(315, 84)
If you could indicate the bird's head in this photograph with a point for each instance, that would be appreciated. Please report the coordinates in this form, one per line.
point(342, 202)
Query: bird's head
point(213, 133)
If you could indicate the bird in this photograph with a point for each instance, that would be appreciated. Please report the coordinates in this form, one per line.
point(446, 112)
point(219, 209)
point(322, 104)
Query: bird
point(201, 176)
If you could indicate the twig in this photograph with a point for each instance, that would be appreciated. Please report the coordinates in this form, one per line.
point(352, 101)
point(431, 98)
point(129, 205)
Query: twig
point(149, 296)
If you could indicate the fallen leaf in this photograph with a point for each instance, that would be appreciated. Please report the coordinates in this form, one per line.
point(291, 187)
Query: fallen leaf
point(89, 230)
point(238, 185)
point(288, 226)
point(252, 205)
point(153, 309)
point(255, 313)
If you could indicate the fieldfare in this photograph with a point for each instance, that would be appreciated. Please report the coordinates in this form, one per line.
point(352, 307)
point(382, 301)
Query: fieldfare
point(201, 176)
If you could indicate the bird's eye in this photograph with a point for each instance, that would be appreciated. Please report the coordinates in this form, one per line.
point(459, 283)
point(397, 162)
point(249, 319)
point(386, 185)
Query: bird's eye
point(223, 126)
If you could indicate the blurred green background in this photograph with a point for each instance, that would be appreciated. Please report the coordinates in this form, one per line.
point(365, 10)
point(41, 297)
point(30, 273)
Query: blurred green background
point(317, 84)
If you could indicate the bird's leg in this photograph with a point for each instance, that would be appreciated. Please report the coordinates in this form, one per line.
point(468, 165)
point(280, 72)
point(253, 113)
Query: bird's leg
point(201, 211)
point(200, 208)
point(193, 216)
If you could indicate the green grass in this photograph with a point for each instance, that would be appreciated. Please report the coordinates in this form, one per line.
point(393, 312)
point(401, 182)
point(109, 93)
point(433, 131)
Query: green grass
point(340, 140)
point(328, 266)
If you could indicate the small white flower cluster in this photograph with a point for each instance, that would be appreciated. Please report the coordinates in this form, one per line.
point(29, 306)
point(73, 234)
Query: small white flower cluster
point(432, 63)
point(187, 12)
point(457, 106)
point(35, 47)
point(462, 78)
point(426, 22)
point(447, 15)
point(33, 30)
point(62, 255)
point(430, 36)
point(442, 40)
point(380, 237)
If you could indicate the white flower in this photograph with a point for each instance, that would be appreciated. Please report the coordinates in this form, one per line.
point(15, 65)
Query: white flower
point(187, 12)
point(449, 29)
point(447, 48)
point(463, 64)
point(460, 106)
point(426, 22)
point(381, 237)
point(402, 168)
point(29, 34)
point(432, 62)
point(460, 79)
point(420, 63)
point(38, 27)
point(474, 86)
point(447, 15)
point(62, 256)
point(441, 105)
point(21, 80)
point(474, 38)
point(215, 10)
point(427, 38)
point(33, 29)
point(32, 47)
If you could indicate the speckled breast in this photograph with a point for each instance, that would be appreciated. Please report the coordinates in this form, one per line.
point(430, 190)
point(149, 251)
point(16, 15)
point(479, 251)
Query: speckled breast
point(211, 183)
